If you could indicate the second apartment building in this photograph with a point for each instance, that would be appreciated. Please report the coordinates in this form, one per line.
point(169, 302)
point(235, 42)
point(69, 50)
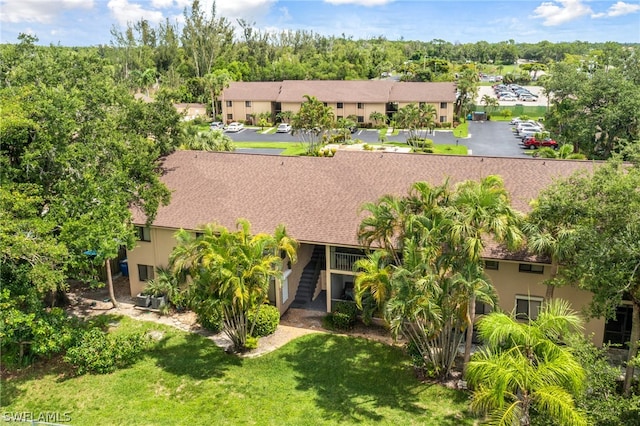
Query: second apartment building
point(243, 101)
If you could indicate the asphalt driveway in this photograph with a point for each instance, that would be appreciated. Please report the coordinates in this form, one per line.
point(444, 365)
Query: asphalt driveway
point(488, 138)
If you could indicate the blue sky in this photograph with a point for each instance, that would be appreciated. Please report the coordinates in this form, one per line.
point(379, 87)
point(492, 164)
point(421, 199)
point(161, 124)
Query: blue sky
point(88, 22)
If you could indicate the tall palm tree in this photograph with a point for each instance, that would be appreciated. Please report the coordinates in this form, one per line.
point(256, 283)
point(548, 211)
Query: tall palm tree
point(216, 82)
point(480, 209)
point(525, 366)
point(234, 269)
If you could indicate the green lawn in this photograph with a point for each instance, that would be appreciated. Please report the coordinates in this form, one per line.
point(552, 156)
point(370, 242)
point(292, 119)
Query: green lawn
point(290, 148)
point(318, 379)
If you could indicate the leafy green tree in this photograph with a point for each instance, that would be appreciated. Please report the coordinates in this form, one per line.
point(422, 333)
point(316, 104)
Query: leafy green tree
point(206, 38)
point(71, 144)
point(601, 211)
point(312, 122)
point(232, 268)
point(525, 366)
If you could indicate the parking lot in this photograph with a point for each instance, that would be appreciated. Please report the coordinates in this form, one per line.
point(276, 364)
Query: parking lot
point(487, 138)
point(536, 90)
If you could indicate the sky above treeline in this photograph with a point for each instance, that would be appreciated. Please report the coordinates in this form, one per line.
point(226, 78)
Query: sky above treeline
point(88, 22)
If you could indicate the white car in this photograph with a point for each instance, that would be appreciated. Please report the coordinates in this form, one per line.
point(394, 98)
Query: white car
point(234, 127)
point(283, 128)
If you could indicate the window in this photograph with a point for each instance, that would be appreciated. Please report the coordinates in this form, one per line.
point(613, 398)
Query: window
point(340, 105)
point(528, 307)
point(229, 103)
point(145, 272)
point(482, 308)
point(144, 233)
point(360, 105)
point(443, 118)
point(339, 117)
point(422, 104)
point(247, 104)
point(324, 103)
point(532, 269)
point(443, 105)
point(230, 117)
point(248, 118)
point(361, 119)
point(491, 264)
point(199, 234)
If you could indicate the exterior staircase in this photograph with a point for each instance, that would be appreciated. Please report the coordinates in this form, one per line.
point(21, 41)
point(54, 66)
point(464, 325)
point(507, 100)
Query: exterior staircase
point(309, 278)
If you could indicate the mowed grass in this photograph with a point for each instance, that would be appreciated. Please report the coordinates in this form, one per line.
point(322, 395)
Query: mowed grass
point(318, 379)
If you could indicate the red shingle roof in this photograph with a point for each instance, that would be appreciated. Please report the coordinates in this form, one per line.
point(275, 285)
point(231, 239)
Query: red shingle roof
point(319, 199)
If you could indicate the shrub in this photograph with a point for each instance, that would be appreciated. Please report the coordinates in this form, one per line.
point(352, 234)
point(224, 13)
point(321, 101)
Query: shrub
point(27, 336)
point(266, 320)
point(100, 353)
point(210, 320)
point(343, 316)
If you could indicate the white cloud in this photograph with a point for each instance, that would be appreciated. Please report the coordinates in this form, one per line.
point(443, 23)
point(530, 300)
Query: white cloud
point(619, 9)
point(360, 2)
point(37, 10)
point(566, 11)
point(126, 12)
point(161, 4)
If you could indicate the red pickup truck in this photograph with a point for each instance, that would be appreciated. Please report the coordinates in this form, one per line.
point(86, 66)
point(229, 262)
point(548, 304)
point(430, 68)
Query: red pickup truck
point(532, 143)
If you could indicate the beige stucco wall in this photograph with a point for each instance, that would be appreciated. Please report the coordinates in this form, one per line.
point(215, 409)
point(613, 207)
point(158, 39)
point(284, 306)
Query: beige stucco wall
point(239, 110)
point(155, 253)
point(509, 283)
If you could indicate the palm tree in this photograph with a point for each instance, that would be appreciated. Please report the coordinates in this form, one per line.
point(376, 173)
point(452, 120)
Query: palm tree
point(480, 209)
point(377, 117)
point(548, 238)
point(232, 268)
point(374, 277)
point(489, 102)
point(311, 123)
point(526, 366)
point(214, 140)
point(565, 152)
point(441, 235)
point(216, 82)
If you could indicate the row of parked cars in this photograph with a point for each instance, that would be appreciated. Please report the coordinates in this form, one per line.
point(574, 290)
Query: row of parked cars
point(532, 134)
point(513, 92)
point(231, 127)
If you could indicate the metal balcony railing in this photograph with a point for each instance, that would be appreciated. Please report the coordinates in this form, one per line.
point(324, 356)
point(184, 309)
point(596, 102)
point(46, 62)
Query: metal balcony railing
point(344, 261)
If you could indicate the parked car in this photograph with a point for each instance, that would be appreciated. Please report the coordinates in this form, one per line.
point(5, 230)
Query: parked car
point(532, 142)
point(283, 128)
point(216, 125)
point(527, 98)
point(234, 127)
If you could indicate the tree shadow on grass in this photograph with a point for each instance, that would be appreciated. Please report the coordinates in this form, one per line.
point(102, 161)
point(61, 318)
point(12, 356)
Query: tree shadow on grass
point(192, 355)
point(355, 379)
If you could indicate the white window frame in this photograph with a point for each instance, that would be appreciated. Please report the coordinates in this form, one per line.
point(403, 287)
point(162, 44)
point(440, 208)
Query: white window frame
point(285, 285)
